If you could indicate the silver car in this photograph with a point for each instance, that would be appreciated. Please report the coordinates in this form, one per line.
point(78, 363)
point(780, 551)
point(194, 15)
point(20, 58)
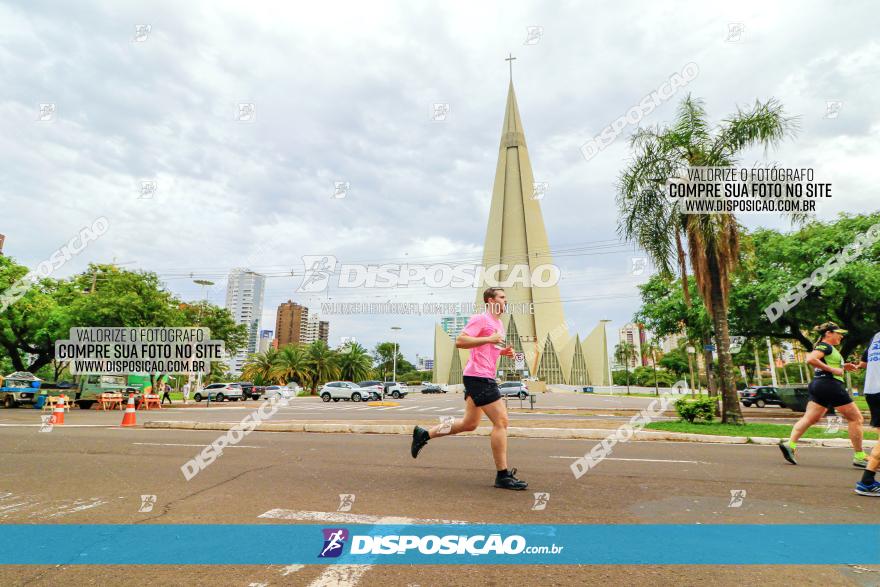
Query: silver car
point(219, 391)
point(346, 390)
point(513, 389)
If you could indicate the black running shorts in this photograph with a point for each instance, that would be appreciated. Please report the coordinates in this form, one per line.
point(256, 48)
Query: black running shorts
point(482, 390)
point(873, 400)
point(829, 392)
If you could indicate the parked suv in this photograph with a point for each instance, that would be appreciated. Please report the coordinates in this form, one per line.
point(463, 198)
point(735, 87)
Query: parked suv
point(395, 389)
point(337, 390)
point(375, 387)
point(760, 397)
point(513, 388)
point(219, 391)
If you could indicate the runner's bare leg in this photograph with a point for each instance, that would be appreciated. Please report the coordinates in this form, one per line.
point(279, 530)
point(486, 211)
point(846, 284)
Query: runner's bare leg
point(470, 421)
point(813, 414)
point(854, 421)
point(497, 412)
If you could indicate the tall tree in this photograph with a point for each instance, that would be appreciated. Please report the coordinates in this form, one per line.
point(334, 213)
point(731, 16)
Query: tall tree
point(322, 362)
point(354, 362)
point(259, 367)
point(292, 364)
point(383, 357)
point(624, 352)
point(649, 219)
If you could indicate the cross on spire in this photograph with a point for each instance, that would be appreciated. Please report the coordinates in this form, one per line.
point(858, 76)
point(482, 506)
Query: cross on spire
point(510, 59)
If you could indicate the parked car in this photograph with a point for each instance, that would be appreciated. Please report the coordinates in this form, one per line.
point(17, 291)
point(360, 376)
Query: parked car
point(433, 388)
point(219, 391)
point(395, 389)
point(345, 390)
point(376, 388)
point(248, 390)
point(278, 391)
point(760, 397)
point(513, 388)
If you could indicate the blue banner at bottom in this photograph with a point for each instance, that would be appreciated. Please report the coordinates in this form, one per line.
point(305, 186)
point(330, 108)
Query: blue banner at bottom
point(507, 544)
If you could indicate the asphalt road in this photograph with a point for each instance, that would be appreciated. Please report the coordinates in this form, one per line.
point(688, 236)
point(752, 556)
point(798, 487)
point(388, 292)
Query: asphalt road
point(98, 475)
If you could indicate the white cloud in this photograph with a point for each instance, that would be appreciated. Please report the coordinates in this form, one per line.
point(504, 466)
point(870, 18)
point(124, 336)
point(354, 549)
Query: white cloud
point(343, 92)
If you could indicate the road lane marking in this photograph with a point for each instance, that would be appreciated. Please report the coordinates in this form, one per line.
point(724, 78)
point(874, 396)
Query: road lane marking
point(341, 576)
point(65, 425)
point(78, 506)
point(638, 460)
point(291, 569)
point(345, 518)
point(446, 409)
point(194, 445)
point(409, 408)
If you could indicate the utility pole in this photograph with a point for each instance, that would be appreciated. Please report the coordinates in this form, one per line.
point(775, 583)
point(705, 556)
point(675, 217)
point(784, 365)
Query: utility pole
point(770, 358)
point(394, 359)
point(757, 367)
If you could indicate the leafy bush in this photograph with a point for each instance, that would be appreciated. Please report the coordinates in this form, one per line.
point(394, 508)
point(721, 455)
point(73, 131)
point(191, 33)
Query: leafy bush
point(414, 382)
point(692, 410)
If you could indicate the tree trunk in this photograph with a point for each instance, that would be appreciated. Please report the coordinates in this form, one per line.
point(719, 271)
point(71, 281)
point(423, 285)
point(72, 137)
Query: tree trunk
point(654, 364)
point(706, 340)
point(730, 409)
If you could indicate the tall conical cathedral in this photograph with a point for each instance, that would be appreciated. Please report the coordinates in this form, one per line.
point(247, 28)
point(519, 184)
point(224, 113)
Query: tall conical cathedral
point(517, 246)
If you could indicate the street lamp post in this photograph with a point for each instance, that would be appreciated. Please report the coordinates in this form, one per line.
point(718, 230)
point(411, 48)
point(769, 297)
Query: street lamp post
point(205, 285)
point(394, 359)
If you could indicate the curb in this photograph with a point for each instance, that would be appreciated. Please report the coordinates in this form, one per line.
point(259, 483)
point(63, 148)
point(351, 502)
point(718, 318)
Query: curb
point(563, 433)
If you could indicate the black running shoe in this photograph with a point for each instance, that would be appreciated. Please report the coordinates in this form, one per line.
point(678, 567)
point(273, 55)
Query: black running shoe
point(510, 482)
point(787, 452)
point(420, 439)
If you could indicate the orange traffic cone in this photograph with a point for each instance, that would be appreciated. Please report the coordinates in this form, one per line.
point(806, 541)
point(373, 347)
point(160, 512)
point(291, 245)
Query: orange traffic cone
point(58, 412)
point(128, 419)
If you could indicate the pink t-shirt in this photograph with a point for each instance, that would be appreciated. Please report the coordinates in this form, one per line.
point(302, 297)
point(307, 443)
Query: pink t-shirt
point(484, 358)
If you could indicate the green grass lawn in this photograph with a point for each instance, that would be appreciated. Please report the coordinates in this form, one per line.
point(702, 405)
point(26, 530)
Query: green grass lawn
point(768, 430)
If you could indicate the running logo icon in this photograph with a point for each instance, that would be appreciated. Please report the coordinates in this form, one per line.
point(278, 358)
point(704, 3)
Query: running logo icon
point(318, 269)
point(737, 497)
point(346, 500)
point(541, 500)
point(334, 540)
point(147, 503)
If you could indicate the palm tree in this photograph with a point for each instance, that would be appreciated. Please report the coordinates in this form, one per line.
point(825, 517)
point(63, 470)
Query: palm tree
point(650, 220)
point(258, 367)
point(623, 352)
point(219, 372)
point(291, 364)
point(354, 363)
point(322, 363)
point(650, 349)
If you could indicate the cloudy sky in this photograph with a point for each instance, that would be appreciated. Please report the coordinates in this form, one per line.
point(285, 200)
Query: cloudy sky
point(344, 92)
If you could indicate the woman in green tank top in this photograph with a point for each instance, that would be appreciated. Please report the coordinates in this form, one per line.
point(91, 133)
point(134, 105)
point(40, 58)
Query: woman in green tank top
point(827, 390)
